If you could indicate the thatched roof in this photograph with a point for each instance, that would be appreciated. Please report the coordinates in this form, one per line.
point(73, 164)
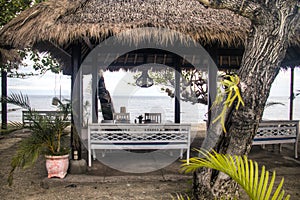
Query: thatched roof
point(62, 22)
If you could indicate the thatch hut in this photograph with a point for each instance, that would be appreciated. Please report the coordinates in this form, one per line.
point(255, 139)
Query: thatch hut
point(57, 25)
point(70, 29)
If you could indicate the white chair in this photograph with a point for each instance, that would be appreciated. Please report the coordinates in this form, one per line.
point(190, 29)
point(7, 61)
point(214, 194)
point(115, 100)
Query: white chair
point(121, 117)
point(152, 118)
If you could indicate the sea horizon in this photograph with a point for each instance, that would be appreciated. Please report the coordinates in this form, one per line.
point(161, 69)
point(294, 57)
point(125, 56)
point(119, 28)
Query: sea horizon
point(137, 105)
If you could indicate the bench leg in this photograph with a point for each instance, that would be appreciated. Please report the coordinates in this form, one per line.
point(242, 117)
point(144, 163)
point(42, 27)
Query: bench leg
point(90, 158)
point(94, 154)
point(188, 156)
point(181, 153)
point(296, 150)
point(280, 148)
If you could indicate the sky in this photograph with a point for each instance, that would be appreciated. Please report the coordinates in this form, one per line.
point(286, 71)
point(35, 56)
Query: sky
point(117, 82)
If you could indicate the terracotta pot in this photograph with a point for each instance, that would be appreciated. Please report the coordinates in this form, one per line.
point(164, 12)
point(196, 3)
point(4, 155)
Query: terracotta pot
point(57, 166)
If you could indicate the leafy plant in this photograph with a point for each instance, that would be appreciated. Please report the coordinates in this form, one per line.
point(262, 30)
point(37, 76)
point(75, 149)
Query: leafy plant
point(245, 172)
point(47, 136)
point(63, 106)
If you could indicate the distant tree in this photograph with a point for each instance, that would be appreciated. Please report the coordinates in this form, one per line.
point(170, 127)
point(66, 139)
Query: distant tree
point(41, 62)
point(9, 67)
point(9, 9)
point(272, 22)
point(194, 86)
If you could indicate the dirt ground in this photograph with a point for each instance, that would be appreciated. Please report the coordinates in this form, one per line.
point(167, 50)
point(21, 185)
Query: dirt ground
point(101, 182)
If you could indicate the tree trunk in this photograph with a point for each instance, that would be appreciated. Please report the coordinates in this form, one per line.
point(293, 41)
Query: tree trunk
point(266, 47)
point(105, 100)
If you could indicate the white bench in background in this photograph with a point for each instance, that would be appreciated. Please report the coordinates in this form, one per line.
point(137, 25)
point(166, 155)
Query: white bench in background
point(52, 115)
point(278, 132)
point(138, 137)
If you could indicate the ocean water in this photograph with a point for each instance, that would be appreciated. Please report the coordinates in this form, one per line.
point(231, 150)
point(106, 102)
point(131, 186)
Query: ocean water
point(137, 105)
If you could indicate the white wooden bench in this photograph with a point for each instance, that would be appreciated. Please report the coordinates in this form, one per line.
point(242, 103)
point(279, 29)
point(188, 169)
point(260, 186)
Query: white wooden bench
point(138, 137)
point(27, 118)
point(278, 132)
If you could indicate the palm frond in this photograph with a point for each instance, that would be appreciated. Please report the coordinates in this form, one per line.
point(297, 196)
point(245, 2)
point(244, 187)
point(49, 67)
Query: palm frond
point(181, 197)
point(18, 100)
point(243, 171)
point(26, 155)
point(12, 126)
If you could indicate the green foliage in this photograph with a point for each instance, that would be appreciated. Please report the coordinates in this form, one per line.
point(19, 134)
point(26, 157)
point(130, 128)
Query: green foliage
point(9, 9)
point(47, 136)
point(40, 62)
point(11, 127)
point(63, 105)
point(245, 172)
point(193, 85)
point(231, 91)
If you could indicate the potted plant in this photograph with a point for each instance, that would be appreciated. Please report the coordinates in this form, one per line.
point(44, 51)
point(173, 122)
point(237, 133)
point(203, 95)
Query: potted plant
point(47, 137)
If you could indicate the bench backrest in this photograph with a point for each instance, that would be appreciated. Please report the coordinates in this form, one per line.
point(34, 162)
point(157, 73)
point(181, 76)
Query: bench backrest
point(276, 128)
point(139, 133)
point(52, 115)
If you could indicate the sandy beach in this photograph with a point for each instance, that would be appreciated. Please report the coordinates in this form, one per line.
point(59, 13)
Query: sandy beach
point(102, 182)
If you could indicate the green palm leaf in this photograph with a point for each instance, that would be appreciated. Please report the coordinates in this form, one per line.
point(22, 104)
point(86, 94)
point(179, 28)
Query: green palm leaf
point(243, 171)
point(18, 100)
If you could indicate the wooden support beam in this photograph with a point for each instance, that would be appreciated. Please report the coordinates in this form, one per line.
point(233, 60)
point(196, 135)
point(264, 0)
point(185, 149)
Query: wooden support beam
point(75, 90)
point(4, 94)
point(177, 92)
point(292, 93)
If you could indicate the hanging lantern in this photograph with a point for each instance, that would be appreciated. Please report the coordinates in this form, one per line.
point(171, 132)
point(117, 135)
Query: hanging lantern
point(144, 80)
point(55, 101)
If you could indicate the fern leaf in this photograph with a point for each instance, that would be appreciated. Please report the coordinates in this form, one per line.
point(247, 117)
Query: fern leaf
point(260, 185)
point(270, 187)
point(251, 176)
point(276, 193)
point(255, 181)
point(243, 171)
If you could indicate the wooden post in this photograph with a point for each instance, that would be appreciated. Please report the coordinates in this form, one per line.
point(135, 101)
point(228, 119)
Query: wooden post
point(4, 94)
point(95, 94)
point(177, 92)
point(75, 89)
point(292, 93)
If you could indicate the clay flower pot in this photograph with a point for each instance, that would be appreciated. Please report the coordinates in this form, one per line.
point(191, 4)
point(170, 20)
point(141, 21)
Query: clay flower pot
point(57, 166)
